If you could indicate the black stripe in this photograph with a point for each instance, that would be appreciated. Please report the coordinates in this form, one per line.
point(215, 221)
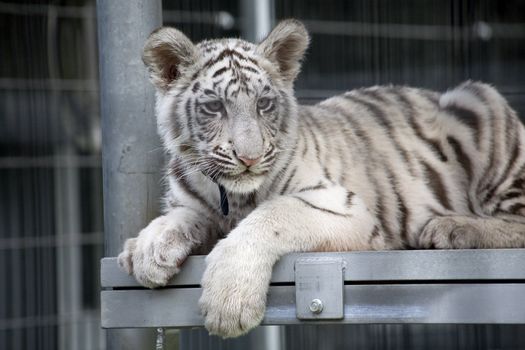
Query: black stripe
point(305, 142)
point(223, 54)
point(187, 108)
point(510, 165)
point(269, 159)
point(209, 92)
point(375, 94)
point(518, 183)
point(469, 118)
point(207, 113)
point(270, 150)
point(478, 90)
point(380, 212)
point(436, 184)
point(285, 115)
point(217, 83)
point(219, 72)
point(404, 154)
point(229, 85)
point(176, 169)
point(434, 212)
point(209, 136)
point(287, 183)
point(222, 161)
point(249, 69)
point(319, 186)
point(462, 158)
point(434, 145)
point(195, 87)
point(321, 209)
point(377, 113)
point(287, 162)
point(402, 214)
point(512, 194)
point(349, 197)
point(224, 155)
point(403, 209)
point(251, 199)
point(352, 126)
point(515, 154)
point(380, 116)
point(316, 142)
point(369, 147)
point(236, 92)
point(345, 132)
point(431, 96)
point(200, 135)
point(515, 208)
point(176, 125)
point(375, 233)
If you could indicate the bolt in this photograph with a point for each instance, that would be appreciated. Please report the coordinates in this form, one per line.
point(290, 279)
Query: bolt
point(316, 306)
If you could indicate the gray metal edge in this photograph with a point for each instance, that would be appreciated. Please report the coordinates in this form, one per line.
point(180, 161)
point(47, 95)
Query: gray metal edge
point(364, 304)
point(399, 265)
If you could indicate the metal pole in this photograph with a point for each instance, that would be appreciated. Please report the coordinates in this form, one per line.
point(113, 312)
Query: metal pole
point(258, 18)
point(131, 151)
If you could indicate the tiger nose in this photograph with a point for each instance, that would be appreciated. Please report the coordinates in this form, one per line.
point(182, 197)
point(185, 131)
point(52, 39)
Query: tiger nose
point(249, 162)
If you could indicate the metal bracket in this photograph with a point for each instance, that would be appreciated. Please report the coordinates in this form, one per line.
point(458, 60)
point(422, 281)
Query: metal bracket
point(319, 288)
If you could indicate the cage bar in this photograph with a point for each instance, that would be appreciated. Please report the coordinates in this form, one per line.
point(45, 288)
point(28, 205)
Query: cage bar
point(131, 151)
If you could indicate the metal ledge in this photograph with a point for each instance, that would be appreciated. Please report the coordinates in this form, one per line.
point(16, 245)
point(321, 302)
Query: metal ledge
point(418, 286)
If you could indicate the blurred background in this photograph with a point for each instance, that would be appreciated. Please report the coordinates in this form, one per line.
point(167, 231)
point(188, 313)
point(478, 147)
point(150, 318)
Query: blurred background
point(50, 140)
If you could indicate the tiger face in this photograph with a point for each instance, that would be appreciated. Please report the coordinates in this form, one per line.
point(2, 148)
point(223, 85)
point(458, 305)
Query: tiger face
point(226, 107)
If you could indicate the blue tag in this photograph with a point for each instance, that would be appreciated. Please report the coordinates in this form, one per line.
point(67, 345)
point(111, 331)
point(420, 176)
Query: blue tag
point(225, 207)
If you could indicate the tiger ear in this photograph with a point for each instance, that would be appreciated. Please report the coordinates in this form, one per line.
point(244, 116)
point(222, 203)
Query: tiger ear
point(167, 53)
point(285, 47)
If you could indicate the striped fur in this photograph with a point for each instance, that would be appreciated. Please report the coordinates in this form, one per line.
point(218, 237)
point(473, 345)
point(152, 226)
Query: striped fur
point(386, 167)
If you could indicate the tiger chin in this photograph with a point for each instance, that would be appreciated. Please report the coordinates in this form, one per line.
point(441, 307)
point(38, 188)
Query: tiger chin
point(252, 175)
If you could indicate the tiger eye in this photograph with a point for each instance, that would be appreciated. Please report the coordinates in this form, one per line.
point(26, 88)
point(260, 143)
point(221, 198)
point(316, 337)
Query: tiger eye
point(213, 106)
point(264, 103)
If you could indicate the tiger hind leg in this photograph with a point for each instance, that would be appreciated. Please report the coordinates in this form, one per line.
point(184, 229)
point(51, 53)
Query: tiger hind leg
point(468, 232)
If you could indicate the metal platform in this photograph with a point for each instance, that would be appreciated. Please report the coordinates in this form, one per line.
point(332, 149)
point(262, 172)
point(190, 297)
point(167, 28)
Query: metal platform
point(417, 286)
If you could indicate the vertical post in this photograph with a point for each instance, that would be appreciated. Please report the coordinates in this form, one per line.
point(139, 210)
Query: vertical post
point(131, 151)
point(258, 17)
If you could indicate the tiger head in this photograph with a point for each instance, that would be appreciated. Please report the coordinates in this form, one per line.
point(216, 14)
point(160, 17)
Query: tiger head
point(226, 107)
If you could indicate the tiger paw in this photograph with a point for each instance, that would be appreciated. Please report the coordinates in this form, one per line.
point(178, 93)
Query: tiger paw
point(157, 253)
point(234, 290)
point(450, 232)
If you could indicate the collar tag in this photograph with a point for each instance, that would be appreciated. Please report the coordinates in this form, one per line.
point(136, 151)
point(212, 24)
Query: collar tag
point(225, 207)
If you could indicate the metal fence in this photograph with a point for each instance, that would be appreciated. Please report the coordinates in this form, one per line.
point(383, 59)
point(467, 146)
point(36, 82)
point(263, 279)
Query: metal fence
point(50, 141)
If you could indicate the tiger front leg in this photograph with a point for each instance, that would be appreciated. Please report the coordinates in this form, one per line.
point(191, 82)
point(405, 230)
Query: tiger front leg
point(239, 268)
point(155, 255)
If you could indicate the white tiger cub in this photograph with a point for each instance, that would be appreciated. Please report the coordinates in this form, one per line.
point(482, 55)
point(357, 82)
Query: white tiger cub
point(377, 168)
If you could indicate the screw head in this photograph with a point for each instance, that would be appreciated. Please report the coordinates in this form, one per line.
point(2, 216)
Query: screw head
point(316, 306)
